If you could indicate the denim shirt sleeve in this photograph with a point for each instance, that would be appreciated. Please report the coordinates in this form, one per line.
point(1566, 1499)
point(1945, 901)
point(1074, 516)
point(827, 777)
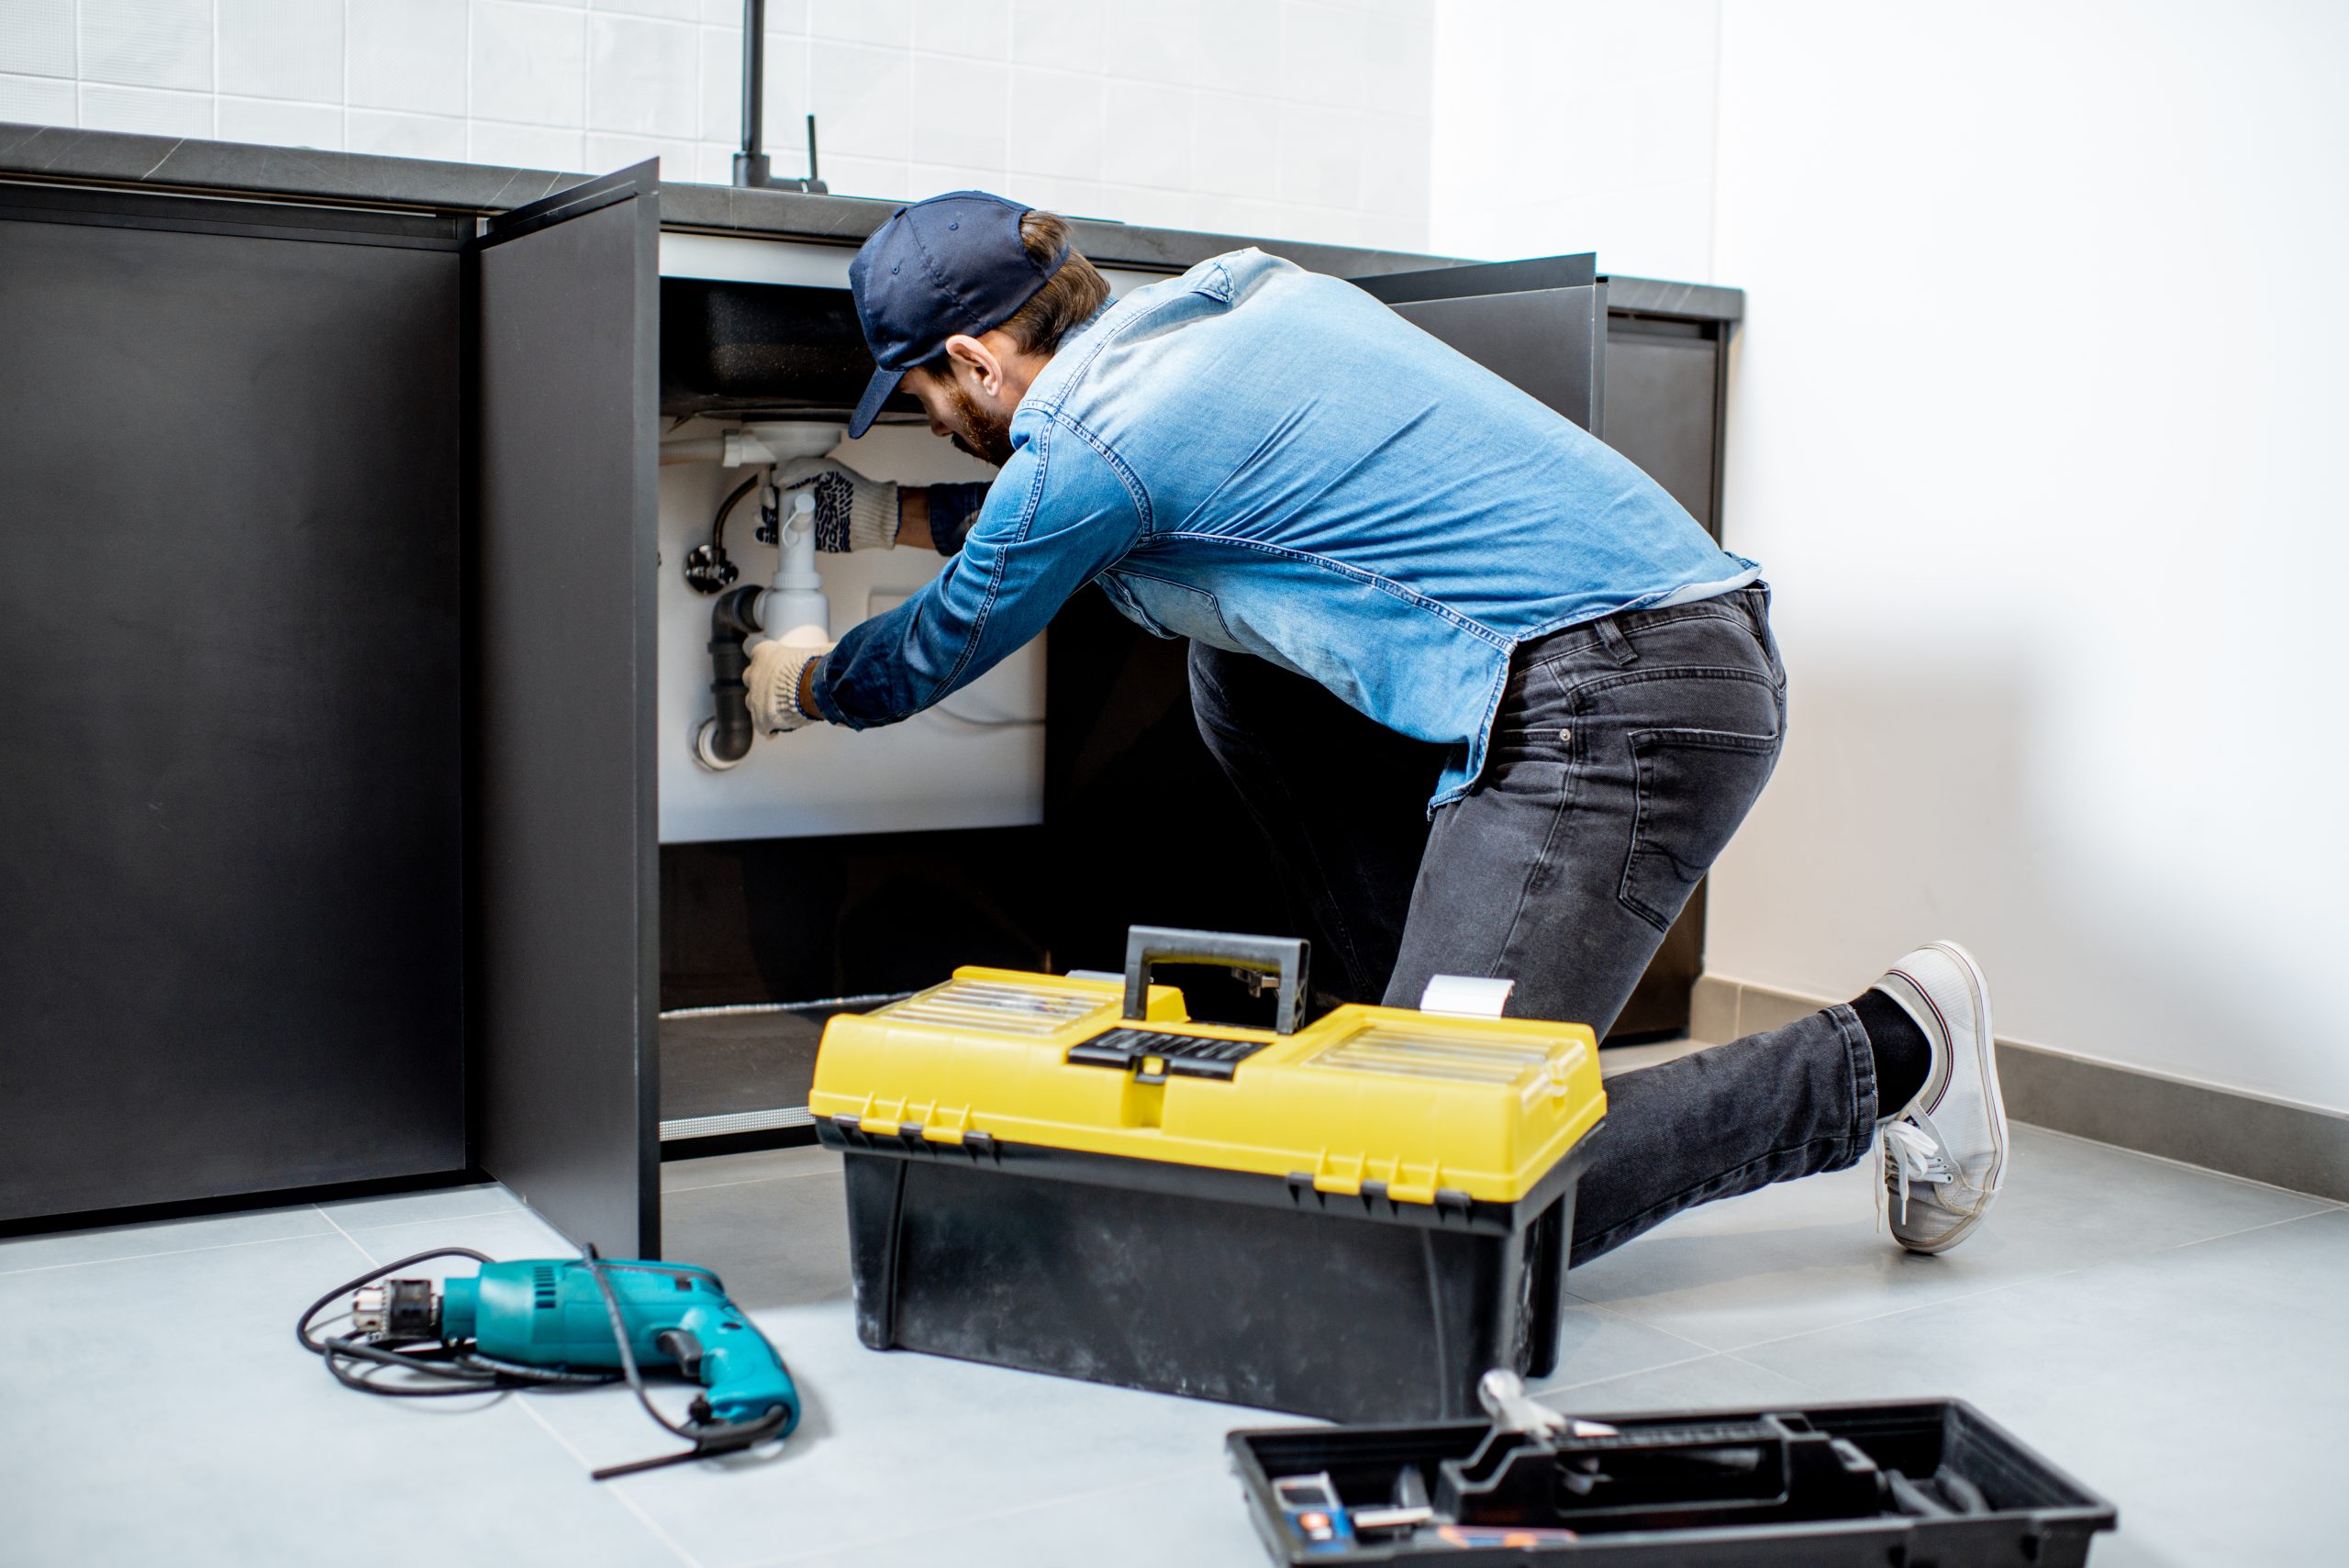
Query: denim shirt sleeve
point(1058, 517)
point(952, 509)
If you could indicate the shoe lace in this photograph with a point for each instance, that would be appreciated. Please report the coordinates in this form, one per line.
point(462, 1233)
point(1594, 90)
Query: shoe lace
point(1918, 1156)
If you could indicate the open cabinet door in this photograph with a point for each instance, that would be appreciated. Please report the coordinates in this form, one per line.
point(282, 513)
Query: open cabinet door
point(564, 839)
point(1539, 325)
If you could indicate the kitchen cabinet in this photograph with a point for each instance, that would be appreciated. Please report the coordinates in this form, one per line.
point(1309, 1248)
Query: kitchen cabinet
point(327, 558)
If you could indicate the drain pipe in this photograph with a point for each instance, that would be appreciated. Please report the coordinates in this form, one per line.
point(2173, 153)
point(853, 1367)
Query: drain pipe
point(792, 608)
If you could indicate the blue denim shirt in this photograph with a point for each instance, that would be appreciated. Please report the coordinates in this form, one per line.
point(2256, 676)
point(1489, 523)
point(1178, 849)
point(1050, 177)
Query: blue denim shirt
point(1273, 461)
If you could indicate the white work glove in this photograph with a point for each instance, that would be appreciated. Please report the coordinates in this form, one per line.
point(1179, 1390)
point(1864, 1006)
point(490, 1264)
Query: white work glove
point(772, 683)
point(852, 511)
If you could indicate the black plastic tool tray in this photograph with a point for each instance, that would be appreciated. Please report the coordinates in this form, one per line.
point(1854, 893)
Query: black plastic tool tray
point(2036, 1515)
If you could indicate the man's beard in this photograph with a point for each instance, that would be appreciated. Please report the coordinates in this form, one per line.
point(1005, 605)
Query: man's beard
point(985, 435)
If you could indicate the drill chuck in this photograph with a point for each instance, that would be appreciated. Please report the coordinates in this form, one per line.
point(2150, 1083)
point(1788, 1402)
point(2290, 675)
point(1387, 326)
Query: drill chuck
point(398, 1309)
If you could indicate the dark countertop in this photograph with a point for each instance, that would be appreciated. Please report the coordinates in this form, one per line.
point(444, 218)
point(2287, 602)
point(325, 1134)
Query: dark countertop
point(162, 163)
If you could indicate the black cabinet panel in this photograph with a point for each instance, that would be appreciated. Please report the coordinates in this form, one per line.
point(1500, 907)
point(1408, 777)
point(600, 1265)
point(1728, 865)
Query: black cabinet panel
point(566, 829)
point(229, 645)
point(1663, 413)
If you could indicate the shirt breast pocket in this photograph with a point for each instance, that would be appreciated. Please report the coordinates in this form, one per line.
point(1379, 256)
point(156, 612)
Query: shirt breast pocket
point(1169, 609)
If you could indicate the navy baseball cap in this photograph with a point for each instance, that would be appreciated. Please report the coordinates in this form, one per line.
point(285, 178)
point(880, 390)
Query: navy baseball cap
point(953, 264)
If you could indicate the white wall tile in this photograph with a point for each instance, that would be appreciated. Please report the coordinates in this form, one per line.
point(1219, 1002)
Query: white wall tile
point(859, 98)
point(607, 152)
point(876, 179)
point(783, 121)
point(1146, 135)
point(1396, 166)
point(399, 135)
point(925, 180)
point(1064, 35)
point(1286, 116)
point(1399, 69)
point(526, 63)
point(147, 43)
point(958, 111)
point(885, 22)
point(146, 110)
point(277, 123)
point(525, 146)
point(783, 15)
point(37, 37)
point(721, 84)
point(1150, 40)
point(1055, 124)
point(1155, 206)
point(409, 56)
point(643, 77)
point(1235, 147)
point(1320, 156)
point(1324, 53)
point(980, 29)
point(713, 163)
point(37, 100)
point(282, 48)
point(1238, 45)
point(1069, 198)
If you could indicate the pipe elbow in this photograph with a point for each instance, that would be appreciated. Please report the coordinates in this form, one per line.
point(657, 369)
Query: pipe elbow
point(724, 738)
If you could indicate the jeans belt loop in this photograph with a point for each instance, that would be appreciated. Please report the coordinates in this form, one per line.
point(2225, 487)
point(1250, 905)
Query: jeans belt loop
point(1610, 636)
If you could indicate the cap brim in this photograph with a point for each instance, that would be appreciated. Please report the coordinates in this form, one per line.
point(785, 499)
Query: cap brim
point(876, 392)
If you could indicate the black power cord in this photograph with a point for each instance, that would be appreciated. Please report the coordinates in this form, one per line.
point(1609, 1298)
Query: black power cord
point(455, 1368)
point(708, 567)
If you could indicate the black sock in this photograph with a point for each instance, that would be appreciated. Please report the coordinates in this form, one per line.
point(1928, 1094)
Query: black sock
point(1903, 1055)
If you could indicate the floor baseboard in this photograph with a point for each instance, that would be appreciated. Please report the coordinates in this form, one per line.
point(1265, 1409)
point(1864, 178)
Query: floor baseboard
point(2300, 1147)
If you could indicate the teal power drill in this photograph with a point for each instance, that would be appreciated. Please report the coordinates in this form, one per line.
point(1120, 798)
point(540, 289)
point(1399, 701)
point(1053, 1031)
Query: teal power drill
point(541, 1321)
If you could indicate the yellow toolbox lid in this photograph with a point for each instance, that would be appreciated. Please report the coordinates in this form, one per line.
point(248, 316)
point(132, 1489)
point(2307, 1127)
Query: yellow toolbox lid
point(1421, 1102)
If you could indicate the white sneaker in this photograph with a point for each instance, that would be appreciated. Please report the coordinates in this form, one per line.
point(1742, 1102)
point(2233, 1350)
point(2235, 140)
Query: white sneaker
point(1946, 1151)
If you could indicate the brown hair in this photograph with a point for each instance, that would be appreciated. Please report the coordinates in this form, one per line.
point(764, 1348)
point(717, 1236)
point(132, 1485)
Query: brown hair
point(1066, 301)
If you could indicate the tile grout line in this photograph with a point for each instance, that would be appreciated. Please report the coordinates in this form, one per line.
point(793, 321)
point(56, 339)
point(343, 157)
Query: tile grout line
point(1546, 1391)
point(617, 1493)
point(346, 1234)
point(751, 1180)
point(2176, 1164)
point(165, 1252)
point(2017, 1284)
point(862, 1544)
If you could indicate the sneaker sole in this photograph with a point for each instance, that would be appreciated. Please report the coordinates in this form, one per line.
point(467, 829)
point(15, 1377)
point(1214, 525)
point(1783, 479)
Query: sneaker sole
point(1986, 1053)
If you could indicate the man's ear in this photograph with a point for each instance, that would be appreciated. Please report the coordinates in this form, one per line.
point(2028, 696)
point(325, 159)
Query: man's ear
point(965, 350)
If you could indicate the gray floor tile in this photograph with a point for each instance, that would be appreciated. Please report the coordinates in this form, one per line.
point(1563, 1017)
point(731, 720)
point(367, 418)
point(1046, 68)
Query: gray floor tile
point(2200, 1387)
point(1708, 1380)
point(780, 1241)
point(160, 1236)
point(1186, 1517)
point(160, 1412)
point(438, 1202)
point(893, 1444)
point(680, 1175)
point(1805, 1255)
point(1594, 1343)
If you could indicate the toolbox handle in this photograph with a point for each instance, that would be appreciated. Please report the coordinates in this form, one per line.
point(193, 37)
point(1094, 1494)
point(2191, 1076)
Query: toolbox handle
point(1283, 956)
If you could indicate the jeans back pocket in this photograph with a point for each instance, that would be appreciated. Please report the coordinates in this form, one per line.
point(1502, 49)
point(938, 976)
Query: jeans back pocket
point(1690, 790)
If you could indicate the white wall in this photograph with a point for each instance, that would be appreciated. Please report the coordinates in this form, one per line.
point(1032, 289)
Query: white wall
point(2034, 425)
point(1307, 119)
point(1562, 123)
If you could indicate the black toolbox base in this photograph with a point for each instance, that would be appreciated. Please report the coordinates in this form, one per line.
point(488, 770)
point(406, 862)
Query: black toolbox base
point(1213, 1284)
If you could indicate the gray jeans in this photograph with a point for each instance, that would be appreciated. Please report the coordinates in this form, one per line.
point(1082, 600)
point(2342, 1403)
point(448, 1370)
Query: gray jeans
point(1625, 754)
